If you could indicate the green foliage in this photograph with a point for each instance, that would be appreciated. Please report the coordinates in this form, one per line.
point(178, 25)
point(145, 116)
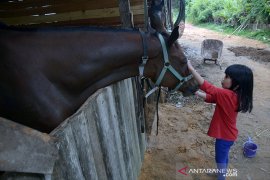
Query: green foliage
point(230, 12)
point(261, 35)
point(199, 12)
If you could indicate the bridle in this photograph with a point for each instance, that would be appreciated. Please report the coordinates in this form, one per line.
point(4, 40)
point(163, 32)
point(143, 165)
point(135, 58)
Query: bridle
point(166, 67)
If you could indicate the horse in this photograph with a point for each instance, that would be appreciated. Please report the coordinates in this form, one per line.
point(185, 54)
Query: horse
point(46, 74)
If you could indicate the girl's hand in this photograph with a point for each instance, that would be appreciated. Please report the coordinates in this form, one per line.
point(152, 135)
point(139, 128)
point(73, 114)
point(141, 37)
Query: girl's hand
point(190, 67)
point(200, 94)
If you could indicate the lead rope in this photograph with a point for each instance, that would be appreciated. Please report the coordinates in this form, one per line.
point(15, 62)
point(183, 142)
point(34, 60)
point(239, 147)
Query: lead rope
point(145, 51)
point(141, 70)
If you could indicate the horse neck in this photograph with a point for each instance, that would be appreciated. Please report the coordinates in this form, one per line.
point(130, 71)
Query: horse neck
point(122, 51)
point(108, 57)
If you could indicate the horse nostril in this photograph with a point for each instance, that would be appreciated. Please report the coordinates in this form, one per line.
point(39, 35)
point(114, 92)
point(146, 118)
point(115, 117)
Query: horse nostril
point(192, 90)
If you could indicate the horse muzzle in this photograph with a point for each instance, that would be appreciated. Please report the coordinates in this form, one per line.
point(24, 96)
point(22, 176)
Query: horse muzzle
point(190, 88)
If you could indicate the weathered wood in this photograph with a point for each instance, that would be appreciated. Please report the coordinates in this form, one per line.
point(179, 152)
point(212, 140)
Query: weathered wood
point(40, 6)
point(101, 139)
point(124, 129)
point(82, 140)
point(126, 109)
point(125, 13)
point(109, 136)
point(23, 149)
point(68, 155)
point(134, 125)
point(37, 3)
point(43, 3)
point(95, 140)
point(112, 21)
point(74, 15)
point(56, 8)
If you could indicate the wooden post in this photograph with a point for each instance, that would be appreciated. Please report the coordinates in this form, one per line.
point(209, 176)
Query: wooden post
point(126, 15)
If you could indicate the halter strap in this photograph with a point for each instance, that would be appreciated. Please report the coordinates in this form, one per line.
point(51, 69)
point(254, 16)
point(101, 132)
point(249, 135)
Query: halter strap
point(167, 66)
point(145, 51)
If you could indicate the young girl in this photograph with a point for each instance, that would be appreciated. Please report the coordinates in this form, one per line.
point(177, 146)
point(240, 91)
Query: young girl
point(234, 96)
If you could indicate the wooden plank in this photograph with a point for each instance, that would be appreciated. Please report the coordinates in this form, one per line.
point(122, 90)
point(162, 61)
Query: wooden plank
point(108, 142)
point(36, 3)
point(133, 125)
point(76, 15)
point(92, 117)
point(16, 10)
point(39, 3)
point(68, 156)
point(57, 8)
point(114, 120)
point(138, 20)
point(100, 13)
point(83, 146)
point(23, 149)
point(104, 132)
point(126, 115)
point(124, 129)
point(113, 21)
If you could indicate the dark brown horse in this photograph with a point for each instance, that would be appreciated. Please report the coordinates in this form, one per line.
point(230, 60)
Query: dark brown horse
point(47, 74)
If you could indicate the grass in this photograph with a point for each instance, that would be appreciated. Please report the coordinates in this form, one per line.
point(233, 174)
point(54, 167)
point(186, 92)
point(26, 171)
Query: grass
point(260, 35)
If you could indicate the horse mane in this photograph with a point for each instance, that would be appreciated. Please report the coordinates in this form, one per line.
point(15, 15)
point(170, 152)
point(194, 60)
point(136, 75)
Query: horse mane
point(65, 28)
point(2, 25)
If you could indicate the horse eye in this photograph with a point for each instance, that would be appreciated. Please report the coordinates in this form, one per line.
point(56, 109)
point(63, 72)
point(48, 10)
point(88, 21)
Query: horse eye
point(185, 61)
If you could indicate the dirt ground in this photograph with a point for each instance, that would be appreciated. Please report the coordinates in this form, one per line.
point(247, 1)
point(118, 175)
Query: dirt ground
point(182, 141)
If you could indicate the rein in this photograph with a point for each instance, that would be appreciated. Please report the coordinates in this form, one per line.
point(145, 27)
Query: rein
point(167, 67)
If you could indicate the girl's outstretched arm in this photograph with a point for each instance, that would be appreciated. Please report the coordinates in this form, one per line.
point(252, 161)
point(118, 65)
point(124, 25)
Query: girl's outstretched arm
point(211, 90)
point(196, 75)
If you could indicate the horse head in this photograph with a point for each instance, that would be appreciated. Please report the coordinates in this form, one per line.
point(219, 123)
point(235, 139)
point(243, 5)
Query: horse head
point(168, 67)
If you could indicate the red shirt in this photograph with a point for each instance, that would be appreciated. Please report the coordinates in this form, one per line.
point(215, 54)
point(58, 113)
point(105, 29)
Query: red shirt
point(223, 124)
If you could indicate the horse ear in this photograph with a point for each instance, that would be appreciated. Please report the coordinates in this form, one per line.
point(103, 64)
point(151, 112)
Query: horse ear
point(173, 37)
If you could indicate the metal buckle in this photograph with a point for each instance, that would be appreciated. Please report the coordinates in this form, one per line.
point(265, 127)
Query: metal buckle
point(166, 64)
point(144, 60)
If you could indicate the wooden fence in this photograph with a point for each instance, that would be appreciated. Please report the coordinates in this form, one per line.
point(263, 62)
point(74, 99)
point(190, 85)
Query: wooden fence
point(103, 139)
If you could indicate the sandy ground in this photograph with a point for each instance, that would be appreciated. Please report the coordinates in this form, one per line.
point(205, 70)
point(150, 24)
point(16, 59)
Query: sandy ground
point(182, 140)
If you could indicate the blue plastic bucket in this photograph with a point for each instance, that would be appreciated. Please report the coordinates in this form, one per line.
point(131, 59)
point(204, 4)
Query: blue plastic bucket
point(249, 149)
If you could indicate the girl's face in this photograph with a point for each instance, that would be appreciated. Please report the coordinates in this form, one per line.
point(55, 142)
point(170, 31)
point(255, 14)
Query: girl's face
point(226, 82)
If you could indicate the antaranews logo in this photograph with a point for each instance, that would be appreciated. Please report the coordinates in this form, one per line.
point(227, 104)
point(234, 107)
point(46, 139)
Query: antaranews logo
point(226, 172)
point(183, 170)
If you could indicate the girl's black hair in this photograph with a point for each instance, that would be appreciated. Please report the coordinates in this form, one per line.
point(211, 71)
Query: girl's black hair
point(242, 84)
